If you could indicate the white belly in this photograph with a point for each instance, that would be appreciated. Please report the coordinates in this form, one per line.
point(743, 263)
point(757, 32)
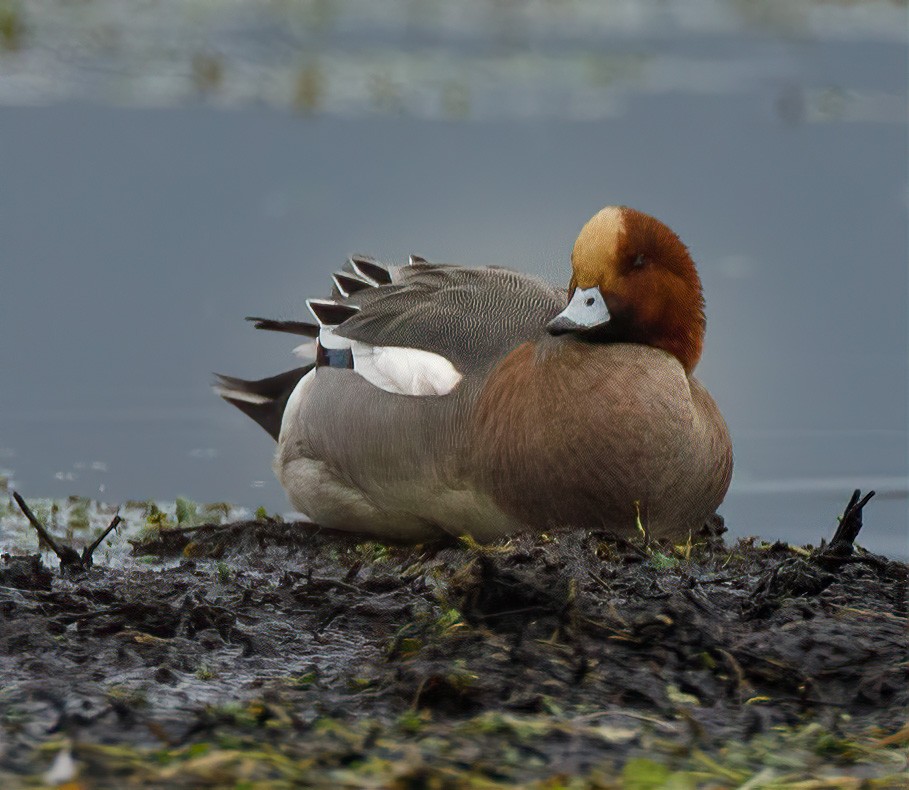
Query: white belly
point(407, 511)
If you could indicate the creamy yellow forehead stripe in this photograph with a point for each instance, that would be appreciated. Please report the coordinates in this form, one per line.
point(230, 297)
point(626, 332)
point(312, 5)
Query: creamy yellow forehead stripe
point(597, 246)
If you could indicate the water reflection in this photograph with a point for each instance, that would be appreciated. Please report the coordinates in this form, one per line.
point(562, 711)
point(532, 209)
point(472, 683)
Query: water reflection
point(582, 59)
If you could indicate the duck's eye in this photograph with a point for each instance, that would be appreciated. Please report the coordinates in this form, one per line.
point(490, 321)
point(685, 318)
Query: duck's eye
point(588, 302)
point(638, 262)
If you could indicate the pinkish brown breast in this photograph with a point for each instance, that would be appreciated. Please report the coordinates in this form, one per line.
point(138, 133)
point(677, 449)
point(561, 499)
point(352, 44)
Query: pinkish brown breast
point(568, 433)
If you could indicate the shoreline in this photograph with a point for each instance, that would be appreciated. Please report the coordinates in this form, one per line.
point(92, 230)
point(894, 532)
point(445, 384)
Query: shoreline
point(259, 652)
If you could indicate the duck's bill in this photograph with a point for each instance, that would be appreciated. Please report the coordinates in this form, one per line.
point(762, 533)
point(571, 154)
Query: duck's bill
point(586, 310)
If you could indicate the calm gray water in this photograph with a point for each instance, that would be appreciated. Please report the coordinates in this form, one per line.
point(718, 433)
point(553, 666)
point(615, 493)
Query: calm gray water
point(133, 240)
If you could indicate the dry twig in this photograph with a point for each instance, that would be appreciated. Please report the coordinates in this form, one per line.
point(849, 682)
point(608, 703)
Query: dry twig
point(70, 559)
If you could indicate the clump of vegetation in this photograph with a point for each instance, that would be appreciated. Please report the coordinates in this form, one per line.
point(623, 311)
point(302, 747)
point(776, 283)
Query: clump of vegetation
point(373, 552)
point(261, 514)
point(156, 522)
point(223, 573)
point(12, 26)
point(216, 512)
point(207, 72)
point(186, 512)
point(303, 681)
point(308, 88)
point(205, 672)
point(155, 518)
point(77, 519)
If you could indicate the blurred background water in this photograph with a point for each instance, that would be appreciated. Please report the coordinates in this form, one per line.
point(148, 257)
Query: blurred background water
point(169, 167)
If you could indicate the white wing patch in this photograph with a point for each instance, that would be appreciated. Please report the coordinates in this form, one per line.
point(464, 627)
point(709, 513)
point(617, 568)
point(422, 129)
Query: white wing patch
point(328, 339)
point(404, 371)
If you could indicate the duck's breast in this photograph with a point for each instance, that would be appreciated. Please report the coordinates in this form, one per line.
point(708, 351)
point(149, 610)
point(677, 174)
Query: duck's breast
point(595, 435)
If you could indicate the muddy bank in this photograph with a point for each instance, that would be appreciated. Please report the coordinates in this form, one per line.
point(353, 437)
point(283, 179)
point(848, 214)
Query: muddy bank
point(265, 652)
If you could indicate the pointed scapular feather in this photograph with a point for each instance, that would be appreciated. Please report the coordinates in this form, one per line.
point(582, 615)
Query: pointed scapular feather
point(347, 284)
point(330, 313)
point(370, 270)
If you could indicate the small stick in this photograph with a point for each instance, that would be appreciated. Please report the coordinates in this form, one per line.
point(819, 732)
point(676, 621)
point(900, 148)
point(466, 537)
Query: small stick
point(67, 555)
point(851, 525)
point(88, 551)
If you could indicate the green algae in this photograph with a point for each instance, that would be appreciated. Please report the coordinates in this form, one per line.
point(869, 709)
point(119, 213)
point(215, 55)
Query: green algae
point(418, 749)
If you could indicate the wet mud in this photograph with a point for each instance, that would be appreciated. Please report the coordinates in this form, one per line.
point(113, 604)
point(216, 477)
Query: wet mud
point(267, 654)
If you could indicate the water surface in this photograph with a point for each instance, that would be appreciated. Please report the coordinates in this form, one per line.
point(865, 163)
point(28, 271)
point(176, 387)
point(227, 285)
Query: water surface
point(137, 234)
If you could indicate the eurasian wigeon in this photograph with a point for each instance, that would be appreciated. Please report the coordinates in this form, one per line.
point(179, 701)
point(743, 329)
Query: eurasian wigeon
point(453, 400)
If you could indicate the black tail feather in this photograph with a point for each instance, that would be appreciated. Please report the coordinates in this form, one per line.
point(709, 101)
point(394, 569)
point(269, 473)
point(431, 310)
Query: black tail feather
point(291, 327)
point(263, 400)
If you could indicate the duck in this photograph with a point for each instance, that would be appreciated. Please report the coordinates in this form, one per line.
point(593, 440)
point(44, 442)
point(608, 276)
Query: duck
point(447, 400)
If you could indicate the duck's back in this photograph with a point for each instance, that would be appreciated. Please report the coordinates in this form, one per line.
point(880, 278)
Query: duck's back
point(470, 316)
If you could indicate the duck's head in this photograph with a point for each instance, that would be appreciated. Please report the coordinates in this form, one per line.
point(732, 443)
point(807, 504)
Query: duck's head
point(633, 281)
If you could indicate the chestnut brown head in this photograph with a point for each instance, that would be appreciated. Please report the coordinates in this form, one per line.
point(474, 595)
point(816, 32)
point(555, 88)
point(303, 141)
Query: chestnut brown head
point(633, 281)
